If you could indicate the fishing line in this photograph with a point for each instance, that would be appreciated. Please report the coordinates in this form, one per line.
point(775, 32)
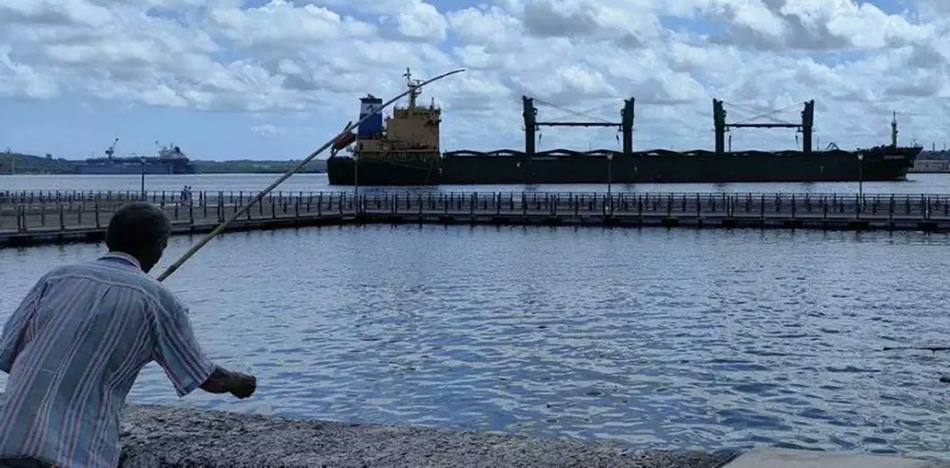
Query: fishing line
point(221, 227)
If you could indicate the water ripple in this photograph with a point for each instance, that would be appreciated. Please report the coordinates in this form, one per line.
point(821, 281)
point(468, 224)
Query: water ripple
point(662, 339)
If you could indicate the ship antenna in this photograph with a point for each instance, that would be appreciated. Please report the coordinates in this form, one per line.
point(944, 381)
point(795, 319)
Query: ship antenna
point(894, 130)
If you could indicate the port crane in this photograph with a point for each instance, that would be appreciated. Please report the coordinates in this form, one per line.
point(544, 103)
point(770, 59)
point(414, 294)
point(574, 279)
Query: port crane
point(110, 151)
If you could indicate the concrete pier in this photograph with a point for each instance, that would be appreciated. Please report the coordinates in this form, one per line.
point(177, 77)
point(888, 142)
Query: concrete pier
point(767, 457)
point(34, 218)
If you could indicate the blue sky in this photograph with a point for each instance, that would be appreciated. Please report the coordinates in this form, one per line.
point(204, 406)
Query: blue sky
point(222, 82)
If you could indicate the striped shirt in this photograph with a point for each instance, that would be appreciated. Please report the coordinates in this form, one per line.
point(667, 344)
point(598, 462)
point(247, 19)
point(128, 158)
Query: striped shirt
point(74, 348)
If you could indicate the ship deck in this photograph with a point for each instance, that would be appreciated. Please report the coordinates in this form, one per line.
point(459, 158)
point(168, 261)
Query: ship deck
point(659, 152)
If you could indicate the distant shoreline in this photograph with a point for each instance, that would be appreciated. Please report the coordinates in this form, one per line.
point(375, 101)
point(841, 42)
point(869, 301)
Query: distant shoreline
point(23, 164)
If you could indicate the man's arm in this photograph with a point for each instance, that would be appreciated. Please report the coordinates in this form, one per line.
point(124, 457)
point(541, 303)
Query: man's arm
point(14, 332)
point(177, 351)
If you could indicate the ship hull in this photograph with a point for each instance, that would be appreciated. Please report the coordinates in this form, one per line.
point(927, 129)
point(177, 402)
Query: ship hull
point(345, 171)
point(134, 168)
point(879, 164)
point(122, 169)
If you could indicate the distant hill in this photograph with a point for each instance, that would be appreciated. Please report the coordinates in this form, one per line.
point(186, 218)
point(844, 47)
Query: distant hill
point(28, 164)
point(246, 166)
point(17, 163)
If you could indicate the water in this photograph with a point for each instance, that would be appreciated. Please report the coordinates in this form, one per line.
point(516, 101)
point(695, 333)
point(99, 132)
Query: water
point(916, 183)
point(656, 338)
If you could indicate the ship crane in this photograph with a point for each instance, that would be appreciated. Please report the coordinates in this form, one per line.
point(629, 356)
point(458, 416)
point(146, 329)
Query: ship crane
point(532, 125)
point(110, 151)
point(806, 127)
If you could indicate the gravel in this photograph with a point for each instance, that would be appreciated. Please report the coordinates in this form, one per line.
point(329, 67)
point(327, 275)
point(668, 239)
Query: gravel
point(155, 436)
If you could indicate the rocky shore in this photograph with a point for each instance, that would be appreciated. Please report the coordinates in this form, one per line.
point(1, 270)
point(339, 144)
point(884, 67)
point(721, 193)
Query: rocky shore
point(154, 436)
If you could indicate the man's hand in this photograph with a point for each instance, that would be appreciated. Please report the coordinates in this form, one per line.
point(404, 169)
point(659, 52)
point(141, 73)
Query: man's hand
point(235, 383)
point(243, 385)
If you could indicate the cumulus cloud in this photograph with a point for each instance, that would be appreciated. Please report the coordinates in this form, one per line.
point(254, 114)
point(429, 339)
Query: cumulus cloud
point(317, 57)
point(19, 80)
point(275, 131)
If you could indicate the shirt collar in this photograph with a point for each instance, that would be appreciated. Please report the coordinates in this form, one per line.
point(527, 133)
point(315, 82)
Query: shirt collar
point(122, 257)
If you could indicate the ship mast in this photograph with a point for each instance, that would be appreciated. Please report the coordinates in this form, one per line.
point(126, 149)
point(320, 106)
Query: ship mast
point(414, 88)
point(894, 130)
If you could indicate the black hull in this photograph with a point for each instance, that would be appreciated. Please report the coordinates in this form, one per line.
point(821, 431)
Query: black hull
point(879, 164)
point(152, 166)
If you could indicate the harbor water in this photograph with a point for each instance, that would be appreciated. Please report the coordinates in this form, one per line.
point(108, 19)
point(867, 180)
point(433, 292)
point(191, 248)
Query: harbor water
point(915, 184)
point(657, 338)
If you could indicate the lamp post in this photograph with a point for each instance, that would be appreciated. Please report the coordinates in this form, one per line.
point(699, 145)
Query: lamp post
point(142, 160)
point(356, 177)
point(610, 201)
point(860, 183)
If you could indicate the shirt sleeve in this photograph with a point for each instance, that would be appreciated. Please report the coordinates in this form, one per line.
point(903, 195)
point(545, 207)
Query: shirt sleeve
point(14, 332)
point(177, 351)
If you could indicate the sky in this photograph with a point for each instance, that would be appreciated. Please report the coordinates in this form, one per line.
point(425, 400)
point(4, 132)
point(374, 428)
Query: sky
point(276, 79)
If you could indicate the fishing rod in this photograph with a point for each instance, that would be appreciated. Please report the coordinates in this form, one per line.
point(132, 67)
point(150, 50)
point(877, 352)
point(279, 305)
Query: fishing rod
point(221, 227)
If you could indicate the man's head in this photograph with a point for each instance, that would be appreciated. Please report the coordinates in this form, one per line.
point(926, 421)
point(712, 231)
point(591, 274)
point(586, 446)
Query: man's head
point(140, 230)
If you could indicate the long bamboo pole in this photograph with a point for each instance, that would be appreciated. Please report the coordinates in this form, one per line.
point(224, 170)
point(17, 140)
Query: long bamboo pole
point(218, 230)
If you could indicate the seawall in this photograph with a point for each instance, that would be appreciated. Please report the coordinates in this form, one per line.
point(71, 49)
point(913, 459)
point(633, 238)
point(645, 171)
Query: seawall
point(154, 436)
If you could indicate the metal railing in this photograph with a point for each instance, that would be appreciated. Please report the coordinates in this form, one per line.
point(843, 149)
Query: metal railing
point(73, 210)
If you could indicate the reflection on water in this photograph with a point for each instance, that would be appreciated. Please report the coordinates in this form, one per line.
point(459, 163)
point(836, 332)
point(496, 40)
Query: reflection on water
point(662, 339)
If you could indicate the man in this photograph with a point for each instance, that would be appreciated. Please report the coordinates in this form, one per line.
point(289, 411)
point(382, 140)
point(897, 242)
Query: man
point(77, 342)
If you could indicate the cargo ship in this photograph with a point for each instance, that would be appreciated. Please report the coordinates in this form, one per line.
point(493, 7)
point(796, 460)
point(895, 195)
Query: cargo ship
point(170, 160)
point(404, 150)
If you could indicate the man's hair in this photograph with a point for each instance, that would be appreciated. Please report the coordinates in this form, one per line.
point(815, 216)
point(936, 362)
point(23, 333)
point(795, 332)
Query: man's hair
point(137, 227)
